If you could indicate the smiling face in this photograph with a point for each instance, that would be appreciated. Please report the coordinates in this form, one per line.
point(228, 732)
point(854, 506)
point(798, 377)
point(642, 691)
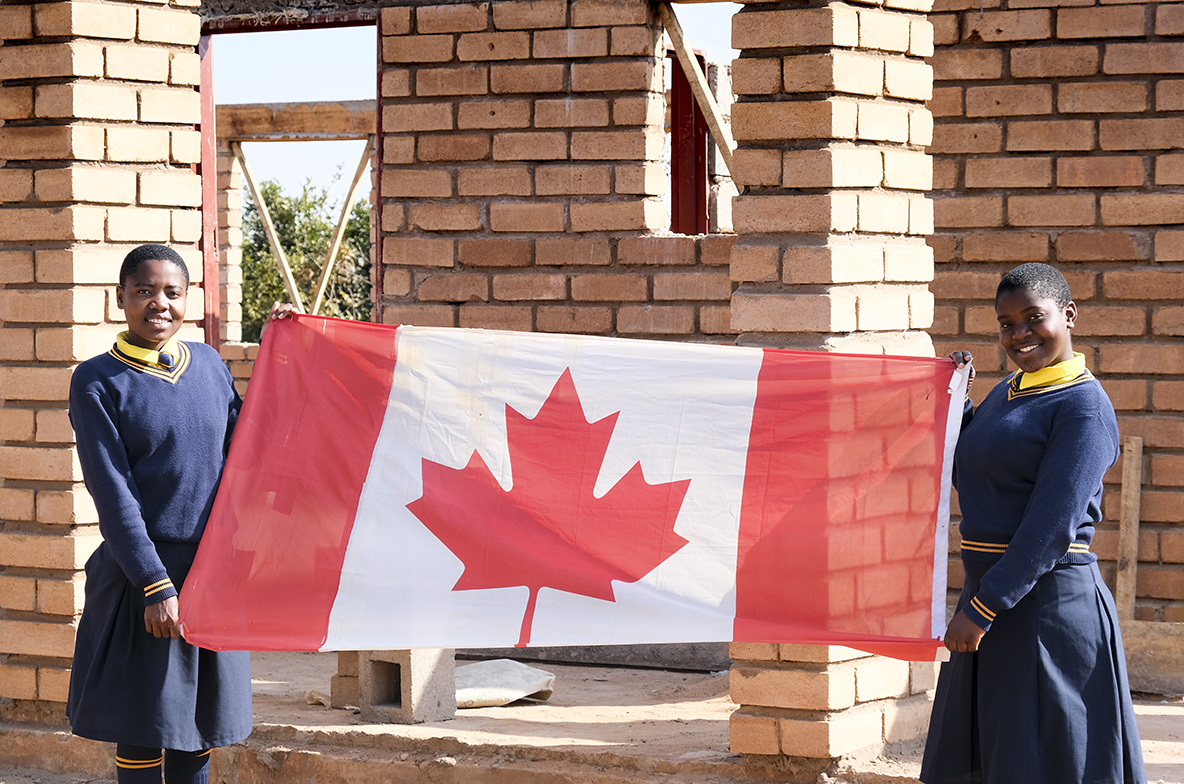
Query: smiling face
point(153, 301)
point(1034, 330)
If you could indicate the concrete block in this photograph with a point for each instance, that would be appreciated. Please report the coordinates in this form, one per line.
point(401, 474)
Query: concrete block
point(408, 686)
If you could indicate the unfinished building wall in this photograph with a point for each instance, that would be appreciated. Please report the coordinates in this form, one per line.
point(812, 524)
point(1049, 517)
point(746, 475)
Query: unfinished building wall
point(97, 107)
point(521, 160)
point(1058, 139)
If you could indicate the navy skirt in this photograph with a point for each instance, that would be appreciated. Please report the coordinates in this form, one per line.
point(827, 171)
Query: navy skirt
point(127, 686)
point(1045, 699)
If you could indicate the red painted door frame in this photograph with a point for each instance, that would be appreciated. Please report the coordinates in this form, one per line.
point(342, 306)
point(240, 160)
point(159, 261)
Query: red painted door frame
point(688, 155)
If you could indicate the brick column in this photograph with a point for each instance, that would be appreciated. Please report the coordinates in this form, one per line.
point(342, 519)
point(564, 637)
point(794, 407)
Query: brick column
point(230, 244)
point(831, 126)
point(97, 108)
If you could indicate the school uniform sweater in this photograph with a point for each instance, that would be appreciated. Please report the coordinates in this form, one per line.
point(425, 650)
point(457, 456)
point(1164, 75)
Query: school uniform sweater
point(152, 434)
point(1028, 469)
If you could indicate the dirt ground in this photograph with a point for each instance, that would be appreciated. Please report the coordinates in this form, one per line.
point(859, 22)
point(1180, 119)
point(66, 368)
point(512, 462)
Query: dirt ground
point(677, 719)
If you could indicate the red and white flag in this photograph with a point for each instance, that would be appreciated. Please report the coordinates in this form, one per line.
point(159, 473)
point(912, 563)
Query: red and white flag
point(413, 487)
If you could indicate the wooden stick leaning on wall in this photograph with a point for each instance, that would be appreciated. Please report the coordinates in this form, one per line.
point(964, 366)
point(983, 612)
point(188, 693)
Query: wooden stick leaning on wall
point(281, 260)
point(339, 232)
point(698, 81)
point(1128, 527)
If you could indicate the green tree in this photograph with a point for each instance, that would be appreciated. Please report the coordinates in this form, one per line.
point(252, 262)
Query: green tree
point(304, 225)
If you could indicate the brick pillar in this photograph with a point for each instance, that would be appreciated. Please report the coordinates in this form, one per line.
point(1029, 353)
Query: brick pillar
point(521, 157)
point(831, 126)
point(97, 112)
point(230, 244)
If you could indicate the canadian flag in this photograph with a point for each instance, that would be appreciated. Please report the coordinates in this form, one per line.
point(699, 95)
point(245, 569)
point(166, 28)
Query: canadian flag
point(400, 487)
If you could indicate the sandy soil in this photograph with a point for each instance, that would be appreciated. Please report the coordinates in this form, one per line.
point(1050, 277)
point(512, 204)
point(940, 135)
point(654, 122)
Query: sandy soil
point(673, 717)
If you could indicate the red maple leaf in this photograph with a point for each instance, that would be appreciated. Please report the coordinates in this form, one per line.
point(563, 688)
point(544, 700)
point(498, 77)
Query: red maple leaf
point(549, 529)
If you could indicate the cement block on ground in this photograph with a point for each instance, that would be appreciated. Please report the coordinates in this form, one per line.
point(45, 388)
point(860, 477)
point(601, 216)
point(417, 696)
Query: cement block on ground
point(408, 686)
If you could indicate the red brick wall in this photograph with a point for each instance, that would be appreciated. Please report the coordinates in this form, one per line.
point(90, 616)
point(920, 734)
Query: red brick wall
point(1058, 138)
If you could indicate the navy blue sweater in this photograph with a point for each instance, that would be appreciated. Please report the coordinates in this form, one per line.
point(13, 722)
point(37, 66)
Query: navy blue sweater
point(151, 442)
point(1028, 469)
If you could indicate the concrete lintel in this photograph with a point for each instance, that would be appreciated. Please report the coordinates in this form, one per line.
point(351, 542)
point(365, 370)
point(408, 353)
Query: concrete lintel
point(312, 121)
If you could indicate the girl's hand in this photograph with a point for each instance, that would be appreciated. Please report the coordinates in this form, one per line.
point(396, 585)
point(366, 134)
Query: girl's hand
point(161, 619)
point(279, 310)
point(963, 635)
point(963, 359)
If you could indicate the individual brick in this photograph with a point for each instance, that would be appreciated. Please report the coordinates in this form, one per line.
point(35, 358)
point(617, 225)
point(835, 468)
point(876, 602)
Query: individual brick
point(453, 287)
point(139, 224)
point(921, 37)
point(572, 180)
point(1101, 97)
point(459, 18)
point(882, 211)
point(1101, 22)
point(821, 212)
point(1007, 246)
point(1142, 209)
point(613, 287)
point(494, 114)
point(584, 251)
point(756, 76)
point(170, 106)
point(420, 315)
point(759, 263)
point(1169, 246)
point(827, 119)
point(1100, 172)
point(1169, 169)
point(417, 117)
point(791, 28)
point(1009, 172)
point(632, 215)
point(168, 26)
point(44, 61)
point(418, 252)
point(675, 250)
point(1169, 95)
point(636, 145)
point(73, 222)
point(16, 103)
point(570, 43)
point(84, 20)
point(490, 252)
point(416, 183)
point(531, 79)
point(445, 217)
point(529, 14)
point(632, 41)
point(493, 46)
point(1143, 284)
point(492, 181)
point(1096, 246)
point(454, 147)
point(60, 597)
point(529, 146)
point(396, 82)
point(644, 179)
point(829, 311)
point(908, 79)
point(884, 30)
point(1050, 135)
point(605, 13)
point(574, 320)
point(1151, 133)
point(832, 167)
point(1144, 58)
point(753, 734)
point(452, 81)
point(526, 217)
point(950, 65)
point(571, 113)
point(615, 76)
point(692, 286)
point(76, 142)
point(1048, 62)
point(758, 166)
point(1008, 100)
point(1052, 210)
point(417, 49)
point(395, 21)
point(1098, 320)
point(16, 22)
point(516, 319)
point(884, 122)
point(836, 71)
point(973, 138)
point(170, 188)
point(655, 320)
point(996, 26)
point(184, 69)
point(37, 638)
point(530, 286)
point(968, 211)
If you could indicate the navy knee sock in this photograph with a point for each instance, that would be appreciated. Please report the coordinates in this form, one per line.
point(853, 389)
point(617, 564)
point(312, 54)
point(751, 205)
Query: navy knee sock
point(186, 767)
point(137, 765)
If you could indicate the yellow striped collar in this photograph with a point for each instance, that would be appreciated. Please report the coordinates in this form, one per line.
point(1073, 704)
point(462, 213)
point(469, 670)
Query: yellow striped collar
point(1054, 374)
point(166, 357)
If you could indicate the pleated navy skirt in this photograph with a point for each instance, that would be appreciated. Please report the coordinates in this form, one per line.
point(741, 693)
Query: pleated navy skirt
point(127, 686)
point(1045, 699)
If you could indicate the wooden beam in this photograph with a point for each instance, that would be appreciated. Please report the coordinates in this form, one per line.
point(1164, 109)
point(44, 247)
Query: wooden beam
point(339, 232)
point(281, 260)
point(1128, 527)
point(699, 86)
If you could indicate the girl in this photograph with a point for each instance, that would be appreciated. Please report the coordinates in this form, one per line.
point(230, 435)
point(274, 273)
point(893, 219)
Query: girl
point(1035, 690)
point(152, 419)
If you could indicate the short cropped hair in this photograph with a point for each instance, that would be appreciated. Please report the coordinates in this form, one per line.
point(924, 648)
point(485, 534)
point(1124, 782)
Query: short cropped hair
point(1042, 280)
point(136, 258)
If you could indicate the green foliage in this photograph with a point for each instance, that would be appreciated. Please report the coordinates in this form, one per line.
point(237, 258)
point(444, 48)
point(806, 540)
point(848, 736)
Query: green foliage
point(304, 225)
